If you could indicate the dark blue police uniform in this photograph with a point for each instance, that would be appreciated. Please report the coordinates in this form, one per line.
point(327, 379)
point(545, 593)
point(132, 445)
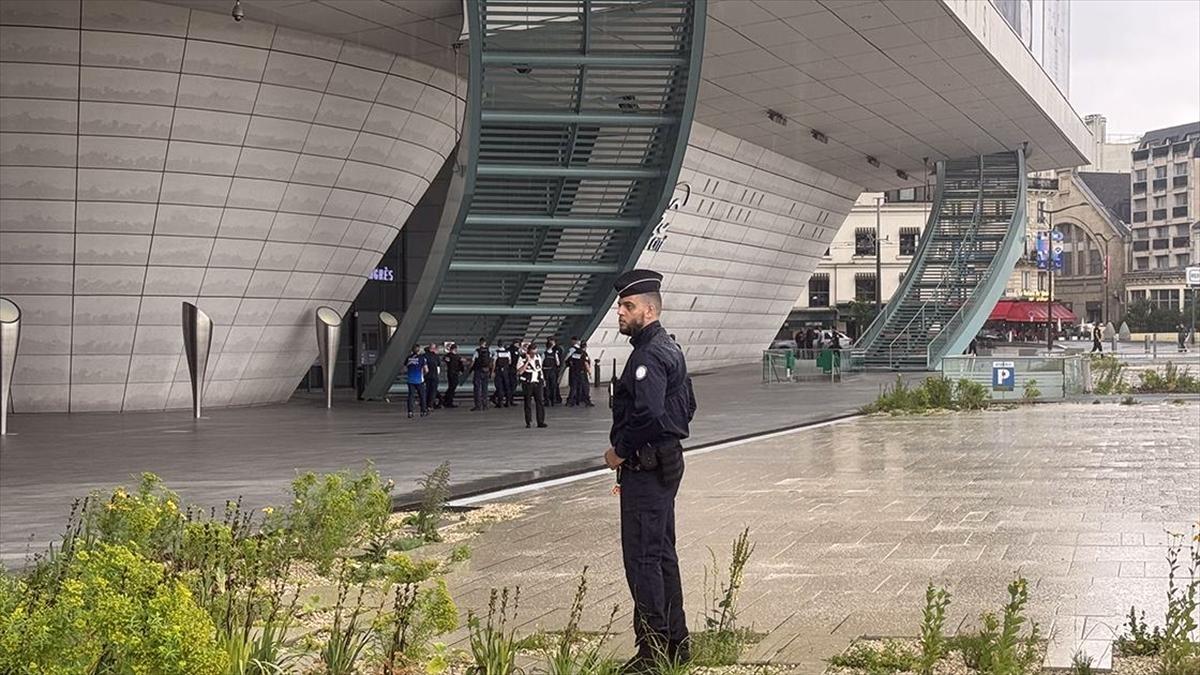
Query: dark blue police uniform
point(653, 404)
point(481, 365)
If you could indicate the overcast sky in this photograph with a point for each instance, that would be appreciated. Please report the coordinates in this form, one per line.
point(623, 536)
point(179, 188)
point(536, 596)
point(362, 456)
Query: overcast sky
point(1137, 62)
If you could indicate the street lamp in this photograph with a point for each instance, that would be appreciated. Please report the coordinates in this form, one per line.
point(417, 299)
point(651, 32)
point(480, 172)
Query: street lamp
point(1047, 216)
point(878, 264)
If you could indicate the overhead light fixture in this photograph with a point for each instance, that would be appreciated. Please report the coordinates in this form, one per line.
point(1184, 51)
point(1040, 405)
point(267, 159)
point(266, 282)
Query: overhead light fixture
point(628, 103)
point(901, 174)
point(522, 68)
point(819, 137)
point(872, 161)
point(238, 14)
point(777, 117)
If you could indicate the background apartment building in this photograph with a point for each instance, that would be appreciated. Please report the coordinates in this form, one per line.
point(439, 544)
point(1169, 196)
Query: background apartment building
point(1165, 202)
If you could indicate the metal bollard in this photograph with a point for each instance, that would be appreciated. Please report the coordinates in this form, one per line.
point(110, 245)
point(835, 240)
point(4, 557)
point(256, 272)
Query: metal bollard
point(1154, 351)
point(596, 372)
point(1146, 342)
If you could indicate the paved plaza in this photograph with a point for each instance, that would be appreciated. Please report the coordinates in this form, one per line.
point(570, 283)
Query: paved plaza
point(50, 459)
point(851, 520)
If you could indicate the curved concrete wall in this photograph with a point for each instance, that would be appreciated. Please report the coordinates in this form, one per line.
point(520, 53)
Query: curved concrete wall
point(736, 249)
point(152, 154)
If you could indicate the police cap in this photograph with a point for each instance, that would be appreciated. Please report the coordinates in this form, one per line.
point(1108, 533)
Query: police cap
point(636, 282)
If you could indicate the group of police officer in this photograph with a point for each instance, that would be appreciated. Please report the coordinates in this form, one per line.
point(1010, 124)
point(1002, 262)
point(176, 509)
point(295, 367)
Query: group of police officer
point(538, 372)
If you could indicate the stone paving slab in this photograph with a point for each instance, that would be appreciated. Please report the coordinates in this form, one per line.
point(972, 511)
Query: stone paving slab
point(852, 520)
point(48, 460)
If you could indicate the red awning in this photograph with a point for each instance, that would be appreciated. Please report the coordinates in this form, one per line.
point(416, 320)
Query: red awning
point(1025, 311)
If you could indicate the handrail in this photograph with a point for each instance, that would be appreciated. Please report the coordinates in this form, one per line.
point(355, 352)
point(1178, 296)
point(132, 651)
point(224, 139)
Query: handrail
point(988, 287)
point(954, 266)
point(917, 263)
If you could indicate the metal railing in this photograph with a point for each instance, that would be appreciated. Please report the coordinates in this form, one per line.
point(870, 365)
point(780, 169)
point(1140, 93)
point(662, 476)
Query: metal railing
point(797, 365)
point(1054, 377)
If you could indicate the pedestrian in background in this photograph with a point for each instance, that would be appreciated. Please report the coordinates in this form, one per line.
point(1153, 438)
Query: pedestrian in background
point(415, 370)
point(481, 371)
point(530, 370)
point(1097, 345)
point(433, 368)
point(454, 372)
point(501, 397)
point(552, 363)
point(574, 371)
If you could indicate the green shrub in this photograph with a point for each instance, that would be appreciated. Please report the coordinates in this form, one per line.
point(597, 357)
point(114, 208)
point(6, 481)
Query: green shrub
point(1138, 639)
point(936, 392)
point(403, 635)
point(999, 647)
point(435, 490)
point(1031, 391)
point(889, 657)
point(569, 654)
point(1173, 380)
point(399, 568)
point(1108, 376)
point(933, 621)
point(148, 520)
point(493, 641)
point(461, 553)
point(334, 511)
point(971, 396)
point(110, 609)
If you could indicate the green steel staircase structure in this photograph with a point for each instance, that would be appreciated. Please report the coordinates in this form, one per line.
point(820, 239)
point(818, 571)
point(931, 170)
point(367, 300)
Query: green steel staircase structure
point(576, 124)
point(974, 236)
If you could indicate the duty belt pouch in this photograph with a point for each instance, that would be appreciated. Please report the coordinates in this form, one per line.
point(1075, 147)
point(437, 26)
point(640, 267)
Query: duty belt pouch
point(670, 464)
point(648, 459)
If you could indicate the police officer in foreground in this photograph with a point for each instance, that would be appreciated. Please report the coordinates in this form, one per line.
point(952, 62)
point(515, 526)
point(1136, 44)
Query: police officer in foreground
point(653, 404)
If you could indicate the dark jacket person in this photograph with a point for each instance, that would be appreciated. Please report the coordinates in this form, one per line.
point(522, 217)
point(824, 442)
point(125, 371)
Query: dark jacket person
point(652, 407)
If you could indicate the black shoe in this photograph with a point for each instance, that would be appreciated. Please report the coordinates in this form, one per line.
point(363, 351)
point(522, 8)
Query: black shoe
point(639, 665)
point(679, 652)
point(410, 416)
point(543, 426)
point(527, 425)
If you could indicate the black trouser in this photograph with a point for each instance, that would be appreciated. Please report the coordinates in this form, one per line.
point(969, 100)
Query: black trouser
point(503, 395)
point(579, 393)
point(533, 390)
point(451, 387)
point(431, 391)
point(479, 382)
point(418, 391)
point(550, 394)
point(1097, 347)
point(572, 390)
point(512, 386)
point(651, 563)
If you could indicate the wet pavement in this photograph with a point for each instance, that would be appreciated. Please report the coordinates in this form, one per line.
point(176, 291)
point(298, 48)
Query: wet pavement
point(49, 460)
point(850, 522)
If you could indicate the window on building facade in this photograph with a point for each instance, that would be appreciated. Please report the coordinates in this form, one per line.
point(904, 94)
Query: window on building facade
point(1181, 169)
point(1143, 233)
point(1181, 230)
point(1162, 231)
point(1140, 175)
point(1181, 199)
point(1095, 262)
point(1160, 202)
point(864, 287)
point(1181, 260)
point(864, 241)
point(908, 240)
point(1139, 204)
point(1068, 264)
point(1162, 262)
point(1160, 172)
point(1143, 263)
point(818, 290)
point(907, 195)
point(1164, 298)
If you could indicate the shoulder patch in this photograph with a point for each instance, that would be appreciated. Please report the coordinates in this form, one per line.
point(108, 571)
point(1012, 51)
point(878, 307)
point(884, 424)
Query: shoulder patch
point(640, 373)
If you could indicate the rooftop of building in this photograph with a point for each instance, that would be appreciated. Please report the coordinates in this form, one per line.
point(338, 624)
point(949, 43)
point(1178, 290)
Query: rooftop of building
point(1112, 189)
point(1169, 135)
